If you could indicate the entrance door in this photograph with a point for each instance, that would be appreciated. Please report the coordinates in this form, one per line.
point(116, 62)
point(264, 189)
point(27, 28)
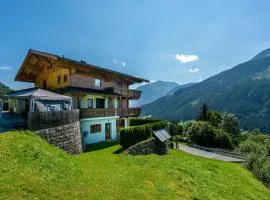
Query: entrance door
point(108, 131)
point(120, 123)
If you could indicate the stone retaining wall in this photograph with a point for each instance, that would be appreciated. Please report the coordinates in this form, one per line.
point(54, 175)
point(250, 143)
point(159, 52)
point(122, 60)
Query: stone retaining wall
point(147, 147)
point(66, 137)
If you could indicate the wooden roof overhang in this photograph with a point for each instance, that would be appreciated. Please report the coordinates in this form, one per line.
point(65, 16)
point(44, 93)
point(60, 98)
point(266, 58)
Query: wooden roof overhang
point(81, 92)
point(36, 61)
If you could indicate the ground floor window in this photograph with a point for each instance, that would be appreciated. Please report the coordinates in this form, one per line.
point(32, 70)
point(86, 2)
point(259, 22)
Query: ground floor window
point(95, 128)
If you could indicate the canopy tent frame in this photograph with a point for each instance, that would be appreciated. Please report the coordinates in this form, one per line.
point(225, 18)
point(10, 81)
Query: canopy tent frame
point(35, 94)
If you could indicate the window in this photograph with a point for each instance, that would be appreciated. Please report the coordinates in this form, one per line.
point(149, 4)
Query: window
point(100, 103)
point(95, 128)
point(65, 78)
point(90, 103)
point(44, 84)
point(98, 82)
point(119, 84)
point(118, 103)
point(58, 80)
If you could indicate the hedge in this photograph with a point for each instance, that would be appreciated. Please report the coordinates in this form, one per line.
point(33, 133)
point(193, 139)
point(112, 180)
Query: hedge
point(140, 121)
point(132, 135)
point(204, 134)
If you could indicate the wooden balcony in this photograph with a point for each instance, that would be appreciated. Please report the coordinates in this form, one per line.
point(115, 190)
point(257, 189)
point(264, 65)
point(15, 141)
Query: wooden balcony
point(106, 112)
point(129, 93)
point(128, 112)
point(97, 112)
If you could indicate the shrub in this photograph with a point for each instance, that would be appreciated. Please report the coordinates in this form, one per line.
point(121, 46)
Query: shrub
point(204, 134)
point(257, 149)
point(186, 125)
point(140, 121)
point(259, 144)
point(259, 164)
point(172, 128)
point(179, 129)
point(132, 135)
point(230, 123)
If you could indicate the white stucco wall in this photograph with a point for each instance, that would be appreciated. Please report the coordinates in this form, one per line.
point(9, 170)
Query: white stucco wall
point(98, 137)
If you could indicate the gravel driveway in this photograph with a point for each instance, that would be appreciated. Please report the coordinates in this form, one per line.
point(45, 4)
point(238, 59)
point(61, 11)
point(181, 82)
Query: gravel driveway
point(206, 154)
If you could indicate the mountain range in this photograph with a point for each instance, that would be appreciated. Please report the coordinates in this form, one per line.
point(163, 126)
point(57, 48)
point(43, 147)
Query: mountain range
point(155, 90)
point(4, 89)
point(243, 90)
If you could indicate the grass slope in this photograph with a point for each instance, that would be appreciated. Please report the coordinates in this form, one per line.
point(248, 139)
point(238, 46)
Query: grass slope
point(32, 169)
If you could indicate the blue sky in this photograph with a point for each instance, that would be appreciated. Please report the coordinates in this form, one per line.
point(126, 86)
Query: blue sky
point(170, 40)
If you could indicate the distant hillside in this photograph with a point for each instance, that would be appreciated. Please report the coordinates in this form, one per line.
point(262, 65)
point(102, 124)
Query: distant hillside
point(153, 91)
point(180, 87)
point(4, 89)
point(243, 90)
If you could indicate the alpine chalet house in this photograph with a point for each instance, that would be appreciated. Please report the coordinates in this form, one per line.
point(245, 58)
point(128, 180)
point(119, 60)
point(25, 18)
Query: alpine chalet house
point(102, 95)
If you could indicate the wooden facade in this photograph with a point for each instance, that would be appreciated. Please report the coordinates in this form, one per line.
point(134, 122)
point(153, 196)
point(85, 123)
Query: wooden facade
point(52, 72)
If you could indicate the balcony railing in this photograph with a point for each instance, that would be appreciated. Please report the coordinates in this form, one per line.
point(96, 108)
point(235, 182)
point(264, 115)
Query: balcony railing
point(128, 112)
point(106, 112)
point(130, 93)
point(97, 112)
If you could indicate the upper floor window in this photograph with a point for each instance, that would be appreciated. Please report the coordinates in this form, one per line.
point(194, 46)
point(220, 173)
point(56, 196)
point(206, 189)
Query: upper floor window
point(90, 103)
point(98, 82)
point(58, 80)
point(100, 103)
point(119, 84)
point(65, 78)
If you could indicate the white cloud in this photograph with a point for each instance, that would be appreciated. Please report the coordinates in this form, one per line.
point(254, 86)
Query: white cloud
point(186, 58)
point(6, 67)
point(119, 62)
point(136, 85)
point(194, 70)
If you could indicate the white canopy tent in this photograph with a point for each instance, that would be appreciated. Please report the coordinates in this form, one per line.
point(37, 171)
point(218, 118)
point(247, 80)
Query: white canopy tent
point(36, 96)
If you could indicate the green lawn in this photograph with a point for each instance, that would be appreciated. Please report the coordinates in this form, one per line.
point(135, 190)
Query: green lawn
point(32, 169)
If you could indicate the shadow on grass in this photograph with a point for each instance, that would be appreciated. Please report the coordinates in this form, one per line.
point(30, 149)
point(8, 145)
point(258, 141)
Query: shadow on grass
point(100, 145)
point(118, 151)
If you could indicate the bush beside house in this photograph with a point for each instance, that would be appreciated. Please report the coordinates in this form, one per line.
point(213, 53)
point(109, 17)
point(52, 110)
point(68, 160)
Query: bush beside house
point(141, 121)
point(132, 135)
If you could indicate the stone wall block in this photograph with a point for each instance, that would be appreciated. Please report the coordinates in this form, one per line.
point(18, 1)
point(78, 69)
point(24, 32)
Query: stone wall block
point(67, 137)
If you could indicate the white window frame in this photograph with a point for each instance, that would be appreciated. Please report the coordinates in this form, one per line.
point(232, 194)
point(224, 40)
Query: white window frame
point(97, 82)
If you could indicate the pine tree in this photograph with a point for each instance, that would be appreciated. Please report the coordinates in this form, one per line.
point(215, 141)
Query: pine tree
point(203, 115)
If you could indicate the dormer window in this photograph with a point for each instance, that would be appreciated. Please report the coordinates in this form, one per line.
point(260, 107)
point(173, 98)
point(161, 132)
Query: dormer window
point(97, 82)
